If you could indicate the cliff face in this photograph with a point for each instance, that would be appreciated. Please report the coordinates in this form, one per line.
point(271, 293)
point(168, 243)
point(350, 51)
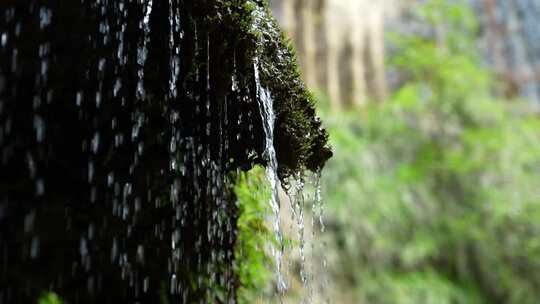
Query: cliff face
point(341, 43)
point(510, 40)
point(122, 126)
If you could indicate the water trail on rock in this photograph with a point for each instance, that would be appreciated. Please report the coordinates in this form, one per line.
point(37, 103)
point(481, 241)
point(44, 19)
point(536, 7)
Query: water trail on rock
point(268, 118)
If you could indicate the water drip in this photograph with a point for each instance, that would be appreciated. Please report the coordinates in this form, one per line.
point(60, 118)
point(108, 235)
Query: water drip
point(142, 51)
point(297, 201)
point(268, 117)
point(318, 215)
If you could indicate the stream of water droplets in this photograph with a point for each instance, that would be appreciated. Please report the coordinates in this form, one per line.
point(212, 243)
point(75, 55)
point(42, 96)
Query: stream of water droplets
point(297, 196)
point(268, 118)
point(134, 186)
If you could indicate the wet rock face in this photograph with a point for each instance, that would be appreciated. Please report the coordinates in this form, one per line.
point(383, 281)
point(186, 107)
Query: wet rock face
point(122, 125)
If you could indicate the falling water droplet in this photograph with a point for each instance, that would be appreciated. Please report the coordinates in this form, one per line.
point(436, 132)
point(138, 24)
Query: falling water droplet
point(31, 165)
point(40, 187)
point(39, 127)
point(114, 251)
point(117, 86)
point(90, 171)
point(140, 254)
point(29, 221)
point(34, 248)
point(268, 117)
point(4, 39)
point(83, 247)
point(91, 231)
point(95, 143)
point(98, 99)
point(45, 17)
point(78, 99)
point(173, 284)
point(110, 179)
point(146, 283)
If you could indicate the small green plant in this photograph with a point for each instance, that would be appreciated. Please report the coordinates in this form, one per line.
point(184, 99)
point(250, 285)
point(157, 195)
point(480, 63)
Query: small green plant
point(49, 298)
point(253, 263)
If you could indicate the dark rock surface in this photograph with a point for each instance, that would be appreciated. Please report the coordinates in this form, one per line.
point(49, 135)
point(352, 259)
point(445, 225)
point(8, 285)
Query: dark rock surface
point(122, 126)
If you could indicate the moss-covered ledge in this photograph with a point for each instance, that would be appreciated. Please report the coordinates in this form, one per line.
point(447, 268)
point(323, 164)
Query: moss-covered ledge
point(123, 126)
point(301, 143)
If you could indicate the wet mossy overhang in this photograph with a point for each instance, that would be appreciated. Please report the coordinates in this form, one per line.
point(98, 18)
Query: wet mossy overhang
point(248, 31)
point(125, 125)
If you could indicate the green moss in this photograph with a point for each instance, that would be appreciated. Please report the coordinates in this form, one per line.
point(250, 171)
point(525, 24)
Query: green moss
point(300, 140)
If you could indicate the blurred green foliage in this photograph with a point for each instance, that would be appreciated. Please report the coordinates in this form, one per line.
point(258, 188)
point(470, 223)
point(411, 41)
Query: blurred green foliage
point(253, 262)
point(434, 195)
point(49, 298)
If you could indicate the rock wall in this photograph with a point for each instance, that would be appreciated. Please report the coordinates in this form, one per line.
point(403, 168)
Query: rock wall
point(340, 45)
point(510, 40)
point(122, 127)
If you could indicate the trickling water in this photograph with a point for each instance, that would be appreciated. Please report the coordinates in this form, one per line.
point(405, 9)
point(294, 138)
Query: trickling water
point(301, 190)
point(318, 214)
point(297, 198)
point(296, 193)
point(268, 118)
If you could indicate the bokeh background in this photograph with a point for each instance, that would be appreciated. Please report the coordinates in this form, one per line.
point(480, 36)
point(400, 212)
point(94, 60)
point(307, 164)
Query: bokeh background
point(433, 193)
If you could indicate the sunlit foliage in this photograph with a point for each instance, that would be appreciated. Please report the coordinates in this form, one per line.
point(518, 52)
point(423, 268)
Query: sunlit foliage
point(434, 196)
point(254, 264)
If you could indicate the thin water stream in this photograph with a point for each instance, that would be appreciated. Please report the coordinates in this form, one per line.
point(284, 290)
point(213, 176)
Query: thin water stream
point(268, 118)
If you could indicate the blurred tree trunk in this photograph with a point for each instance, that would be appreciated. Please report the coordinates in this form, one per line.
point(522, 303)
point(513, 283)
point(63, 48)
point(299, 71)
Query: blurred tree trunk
point(340, 45)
